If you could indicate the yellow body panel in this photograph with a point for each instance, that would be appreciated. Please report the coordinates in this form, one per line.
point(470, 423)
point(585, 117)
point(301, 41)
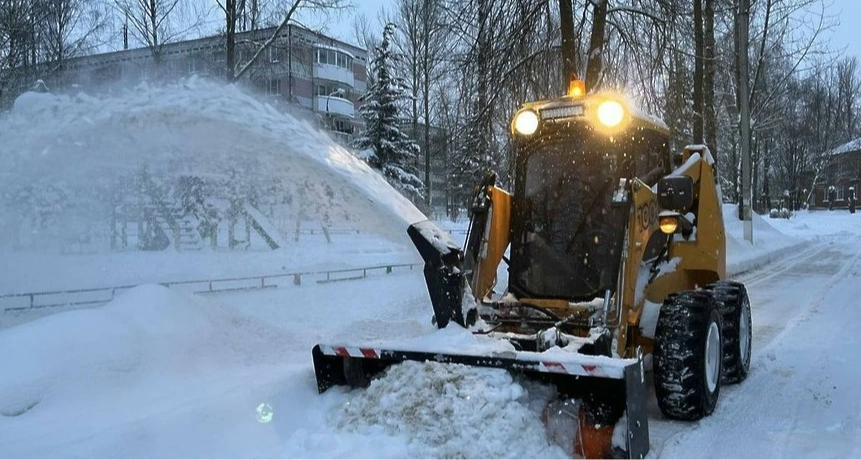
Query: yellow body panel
point(495, 243)
point(699, 260)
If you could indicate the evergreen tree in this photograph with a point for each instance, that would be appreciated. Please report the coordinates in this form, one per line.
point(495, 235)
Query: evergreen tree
point(382, 144)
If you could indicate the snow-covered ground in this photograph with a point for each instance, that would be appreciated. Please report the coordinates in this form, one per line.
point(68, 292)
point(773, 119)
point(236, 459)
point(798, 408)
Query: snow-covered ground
point(157, 373)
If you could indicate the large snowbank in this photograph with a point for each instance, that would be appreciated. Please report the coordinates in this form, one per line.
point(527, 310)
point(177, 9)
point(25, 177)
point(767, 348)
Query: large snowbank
point(65, 155)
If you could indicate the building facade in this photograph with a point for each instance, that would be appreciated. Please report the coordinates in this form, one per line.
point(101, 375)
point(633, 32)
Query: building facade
point(301, 70)
point(843, 171)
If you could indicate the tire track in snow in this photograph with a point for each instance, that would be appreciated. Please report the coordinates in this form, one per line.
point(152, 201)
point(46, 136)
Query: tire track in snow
point(772, 270)
point(666, 433)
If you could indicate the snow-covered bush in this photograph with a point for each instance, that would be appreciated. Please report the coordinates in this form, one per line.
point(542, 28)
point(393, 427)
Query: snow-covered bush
point(783, 213)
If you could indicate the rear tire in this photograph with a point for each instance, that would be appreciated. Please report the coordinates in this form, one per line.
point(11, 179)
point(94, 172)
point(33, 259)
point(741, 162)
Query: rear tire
point(734, 304)
point(688, 355)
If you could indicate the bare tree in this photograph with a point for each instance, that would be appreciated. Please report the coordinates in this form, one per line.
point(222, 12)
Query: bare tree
point(709, 72)
point(158, 22)
point(70, 28)
point(848, 96)
point(595, 60)
point(231, 9)
point(699, 67)
point(569, 40)
point(422, 43)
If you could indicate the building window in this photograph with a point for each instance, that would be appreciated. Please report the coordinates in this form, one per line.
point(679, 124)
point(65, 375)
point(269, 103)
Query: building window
point(273, 87)
point(342, 126)
point(332, 57)
point(273, 54)
point(326, 90)
point(840, 189)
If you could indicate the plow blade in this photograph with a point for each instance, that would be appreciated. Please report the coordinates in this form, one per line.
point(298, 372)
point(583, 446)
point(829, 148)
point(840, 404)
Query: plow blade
point(613, 381)
point(443, 271)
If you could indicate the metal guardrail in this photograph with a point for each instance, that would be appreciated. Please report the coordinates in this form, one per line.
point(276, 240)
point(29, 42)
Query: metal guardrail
point(332, 231)
point(94, 296)
point(349, 231)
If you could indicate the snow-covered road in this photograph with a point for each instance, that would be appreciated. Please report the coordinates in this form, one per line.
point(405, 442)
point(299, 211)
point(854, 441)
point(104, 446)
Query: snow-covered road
point(800, 399)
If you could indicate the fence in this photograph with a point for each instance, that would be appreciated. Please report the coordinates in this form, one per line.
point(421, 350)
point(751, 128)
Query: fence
point(98, 296)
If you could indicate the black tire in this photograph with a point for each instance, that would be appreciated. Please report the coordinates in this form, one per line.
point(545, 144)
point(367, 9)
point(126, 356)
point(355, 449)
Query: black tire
point(682, 383)
point(734, 304)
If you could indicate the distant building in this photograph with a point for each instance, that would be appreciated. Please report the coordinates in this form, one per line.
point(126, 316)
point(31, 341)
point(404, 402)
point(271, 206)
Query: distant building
point(842, 171)
point(316, 73)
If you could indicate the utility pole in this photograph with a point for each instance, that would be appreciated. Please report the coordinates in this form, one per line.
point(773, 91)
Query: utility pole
point(126, 33)
point(742, 41)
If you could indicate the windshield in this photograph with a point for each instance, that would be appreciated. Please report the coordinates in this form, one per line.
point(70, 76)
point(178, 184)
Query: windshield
point(567, 234)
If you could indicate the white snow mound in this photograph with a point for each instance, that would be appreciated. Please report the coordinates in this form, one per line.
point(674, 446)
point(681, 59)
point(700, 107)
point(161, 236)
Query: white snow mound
point(149, 332)
point(769, 243)
point(81, 147)
point(453, 411)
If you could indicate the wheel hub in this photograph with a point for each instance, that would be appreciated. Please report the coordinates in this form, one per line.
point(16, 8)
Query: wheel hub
point(713, 357)
point(744, 333)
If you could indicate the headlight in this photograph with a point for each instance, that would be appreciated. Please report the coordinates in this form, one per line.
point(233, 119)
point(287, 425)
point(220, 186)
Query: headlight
point(668, 224)
point(611, 113)
point(526, 122)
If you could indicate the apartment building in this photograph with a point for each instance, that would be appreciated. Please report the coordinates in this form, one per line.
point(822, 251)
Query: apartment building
point(301, 70)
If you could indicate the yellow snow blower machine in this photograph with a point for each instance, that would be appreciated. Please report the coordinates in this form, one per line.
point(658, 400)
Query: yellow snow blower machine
point(616, 253)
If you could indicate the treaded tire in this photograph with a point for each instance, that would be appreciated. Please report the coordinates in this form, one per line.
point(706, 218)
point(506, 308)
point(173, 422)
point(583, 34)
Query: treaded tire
point(734, 304)
point(680, 367)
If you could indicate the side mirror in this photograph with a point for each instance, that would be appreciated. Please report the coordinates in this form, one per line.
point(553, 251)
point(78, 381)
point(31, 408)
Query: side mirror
point(676, 193)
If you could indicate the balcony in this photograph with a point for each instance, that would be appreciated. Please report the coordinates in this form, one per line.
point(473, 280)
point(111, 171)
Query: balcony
point(336, 106)
point(334, 73)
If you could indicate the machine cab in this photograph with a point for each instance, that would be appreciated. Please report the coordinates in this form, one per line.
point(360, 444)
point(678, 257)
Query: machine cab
point(574, 157)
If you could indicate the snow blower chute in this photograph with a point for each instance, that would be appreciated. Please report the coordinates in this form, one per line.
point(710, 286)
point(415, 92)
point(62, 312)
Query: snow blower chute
point(603, 221)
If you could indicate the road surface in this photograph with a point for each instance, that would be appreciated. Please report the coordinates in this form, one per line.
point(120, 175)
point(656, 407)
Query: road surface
point(800, 399)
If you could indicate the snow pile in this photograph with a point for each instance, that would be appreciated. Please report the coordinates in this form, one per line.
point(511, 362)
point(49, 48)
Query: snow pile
point(454, 411)
point(90, 381)
point(820, 224)
point(64, 353)
point(66, 157)
point(33, 103)
point(769, 243)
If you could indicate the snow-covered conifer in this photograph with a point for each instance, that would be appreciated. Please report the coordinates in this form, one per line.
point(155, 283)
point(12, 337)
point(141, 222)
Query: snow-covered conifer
point(382, 143)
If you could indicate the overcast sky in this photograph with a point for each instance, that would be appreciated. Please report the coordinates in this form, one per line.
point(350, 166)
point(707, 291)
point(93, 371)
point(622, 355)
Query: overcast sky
point(846, 13)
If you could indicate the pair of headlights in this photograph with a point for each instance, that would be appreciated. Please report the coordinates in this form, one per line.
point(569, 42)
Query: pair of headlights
point(610, 115)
